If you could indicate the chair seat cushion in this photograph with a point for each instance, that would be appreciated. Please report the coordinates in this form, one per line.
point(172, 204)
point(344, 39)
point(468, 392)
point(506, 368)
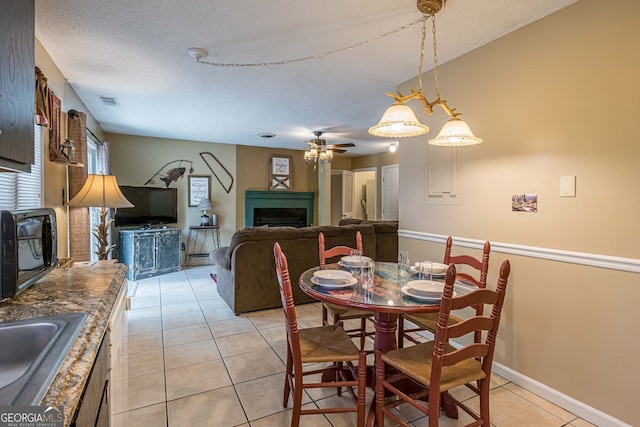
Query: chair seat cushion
point(326, 344)
point(429, 321)
point(346, 312)
point(415, 361)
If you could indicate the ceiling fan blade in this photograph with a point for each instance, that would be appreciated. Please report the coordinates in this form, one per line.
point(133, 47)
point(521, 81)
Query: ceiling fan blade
point(337, 150)
point(346, 144)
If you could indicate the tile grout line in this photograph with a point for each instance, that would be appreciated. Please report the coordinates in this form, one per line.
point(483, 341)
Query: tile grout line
point(164, 362)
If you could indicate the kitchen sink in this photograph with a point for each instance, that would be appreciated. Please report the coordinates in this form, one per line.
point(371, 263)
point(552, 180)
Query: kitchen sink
point(32, 351)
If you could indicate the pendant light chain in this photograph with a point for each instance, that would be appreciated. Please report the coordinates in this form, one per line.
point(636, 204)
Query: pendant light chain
point(435, 55)
point(310, 57)
point(421, 62)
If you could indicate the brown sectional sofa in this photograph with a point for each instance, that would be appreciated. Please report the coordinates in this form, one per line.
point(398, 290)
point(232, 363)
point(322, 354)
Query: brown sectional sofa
point(246, 276)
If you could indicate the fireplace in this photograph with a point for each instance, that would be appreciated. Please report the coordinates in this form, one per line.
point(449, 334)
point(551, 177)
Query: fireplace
point(278, 208)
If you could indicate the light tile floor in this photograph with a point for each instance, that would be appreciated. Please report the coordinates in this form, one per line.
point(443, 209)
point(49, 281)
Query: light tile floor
point(192, 362)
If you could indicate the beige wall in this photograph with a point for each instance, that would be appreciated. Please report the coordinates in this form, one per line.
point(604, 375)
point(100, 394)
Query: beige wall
point(135, 159)
point(55, 174)
point(558, 97)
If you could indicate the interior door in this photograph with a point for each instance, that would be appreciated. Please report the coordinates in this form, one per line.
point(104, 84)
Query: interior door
point(390, 188)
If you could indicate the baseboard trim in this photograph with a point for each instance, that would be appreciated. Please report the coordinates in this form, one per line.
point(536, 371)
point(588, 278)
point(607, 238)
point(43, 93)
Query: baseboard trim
point(568, 403)
point(631, 265)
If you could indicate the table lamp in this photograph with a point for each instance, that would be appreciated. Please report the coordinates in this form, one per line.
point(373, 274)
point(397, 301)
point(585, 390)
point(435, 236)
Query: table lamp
point(204, 206)
point(101, 191)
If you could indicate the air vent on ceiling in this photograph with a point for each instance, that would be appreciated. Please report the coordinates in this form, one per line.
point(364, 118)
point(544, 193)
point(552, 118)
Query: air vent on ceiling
point(109, 101)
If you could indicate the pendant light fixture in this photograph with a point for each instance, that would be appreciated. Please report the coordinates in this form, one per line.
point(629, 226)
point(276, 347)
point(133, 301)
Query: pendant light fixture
point(399, 121)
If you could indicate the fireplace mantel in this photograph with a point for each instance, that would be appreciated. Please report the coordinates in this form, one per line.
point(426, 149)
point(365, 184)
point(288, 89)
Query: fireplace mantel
point(277, 199)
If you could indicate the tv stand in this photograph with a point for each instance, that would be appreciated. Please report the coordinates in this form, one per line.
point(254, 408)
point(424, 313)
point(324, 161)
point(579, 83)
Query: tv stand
point(149, 252)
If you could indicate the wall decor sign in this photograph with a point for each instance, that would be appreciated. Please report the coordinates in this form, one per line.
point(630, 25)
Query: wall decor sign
point(524, 203)
point(199, 188)
point(280, 173)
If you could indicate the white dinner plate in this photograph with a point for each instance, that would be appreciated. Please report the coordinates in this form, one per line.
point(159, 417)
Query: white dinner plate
point(331, 276)
point(346, 282)
point(427, 287)
point(353, 261)
point(413, 294)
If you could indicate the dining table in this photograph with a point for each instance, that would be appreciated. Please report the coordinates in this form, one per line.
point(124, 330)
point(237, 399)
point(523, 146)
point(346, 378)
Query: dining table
point(386, 298)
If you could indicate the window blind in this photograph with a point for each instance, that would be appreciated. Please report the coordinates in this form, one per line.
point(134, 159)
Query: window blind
point(24, 190)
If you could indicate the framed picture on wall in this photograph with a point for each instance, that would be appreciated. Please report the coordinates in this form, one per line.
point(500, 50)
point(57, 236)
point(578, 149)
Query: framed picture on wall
point(280, 178)
point(199, 188)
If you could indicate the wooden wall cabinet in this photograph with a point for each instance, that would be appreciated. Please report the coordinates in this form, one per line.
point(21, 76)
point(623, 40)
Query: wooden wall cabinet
point(17, 84)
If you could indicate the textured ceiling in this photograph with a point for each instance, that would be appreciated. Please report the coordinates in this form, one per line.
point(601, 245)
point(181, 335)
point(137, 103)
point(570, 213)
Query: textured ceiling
point(136, 52)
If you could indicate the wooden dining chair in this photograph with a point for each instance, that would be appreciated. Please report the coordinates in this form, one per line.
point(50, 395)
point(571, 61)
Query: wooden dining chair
point(428, 321)
point(339, 313)
point(323, 344)
point(440, 367)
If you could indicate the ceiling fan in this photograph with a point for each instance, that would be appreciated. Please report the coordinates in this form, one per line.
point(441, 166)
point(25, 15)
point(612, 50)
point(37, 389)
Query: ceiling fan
point(321, 144)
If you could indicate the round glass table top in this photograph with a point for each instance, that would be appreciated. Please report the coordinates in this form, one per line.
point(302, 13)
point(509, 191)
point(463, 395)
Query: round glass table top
point(389, 292)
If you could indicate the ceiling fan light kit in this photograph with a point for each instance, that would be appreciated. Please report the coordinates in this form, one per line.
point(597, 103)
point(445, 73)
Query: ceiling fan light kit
point(399, 121)
point(318, 151)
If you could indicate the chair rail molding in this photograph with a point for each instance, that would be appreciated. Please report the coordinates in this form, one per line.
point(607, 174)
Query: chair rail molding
point(631, 265)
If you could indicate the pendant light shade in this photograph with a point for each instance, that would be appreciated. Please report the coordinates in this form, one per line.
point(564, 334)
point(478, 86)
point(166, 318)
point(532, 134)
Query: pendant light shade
point(399, 121)
point(455, 133)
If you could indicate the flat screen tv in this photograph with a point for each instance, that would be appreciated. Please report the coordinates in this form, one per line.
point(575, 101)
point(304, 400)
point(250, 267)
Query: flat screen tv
point(152, 206)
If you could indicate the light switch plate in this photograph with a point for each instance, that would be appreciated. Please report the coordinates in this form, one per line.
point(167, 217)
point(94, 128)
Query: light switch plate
point(568, 186)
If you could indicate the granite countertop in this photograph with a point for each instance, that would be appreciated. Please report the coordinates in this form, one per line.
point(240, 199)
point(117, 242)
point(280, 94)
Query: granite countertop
point(90, 288)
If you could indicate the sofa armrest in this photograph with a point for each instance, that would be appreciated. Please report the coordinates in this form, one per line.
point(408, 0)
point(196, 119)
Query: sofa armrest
point(220, 258)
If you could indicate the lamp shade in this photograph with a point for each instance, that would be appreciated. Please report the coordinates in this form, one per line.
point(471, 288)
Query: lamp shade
point(205, 204)
point(399, 121)
point(455, 133)
point(100, 191)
